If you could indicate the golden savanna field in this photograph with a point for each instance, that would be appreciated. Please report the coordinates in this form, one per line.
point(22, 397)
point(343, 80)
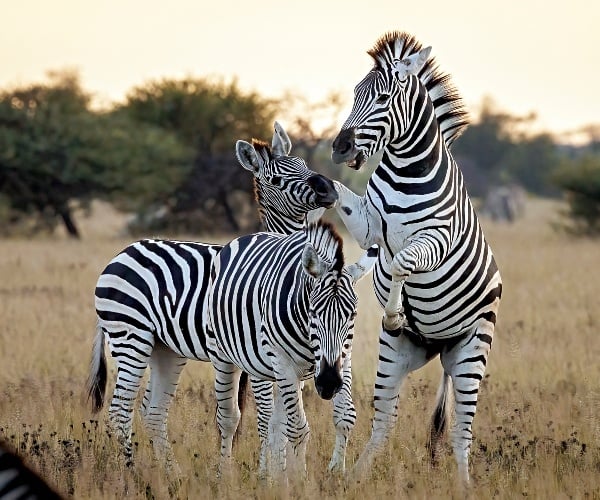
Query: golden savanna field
point(537, 429)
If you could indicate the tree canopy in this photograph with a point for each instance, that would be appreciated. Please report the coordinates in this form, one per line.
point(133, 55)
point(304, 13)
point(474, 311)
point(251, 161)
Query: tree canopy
point(55, 152)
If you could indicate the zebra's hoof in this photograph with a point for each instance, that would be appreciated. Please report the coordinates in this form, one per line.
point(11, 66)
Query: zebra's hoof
point(394, 322)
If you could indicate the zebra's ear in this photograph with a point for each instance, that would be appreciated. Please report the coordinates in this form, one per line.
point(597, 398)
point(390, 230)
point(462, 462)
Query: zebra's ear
point(364, 265)
point(246, 155)
point(412, 64)
point(281, 144)
point(312, 263)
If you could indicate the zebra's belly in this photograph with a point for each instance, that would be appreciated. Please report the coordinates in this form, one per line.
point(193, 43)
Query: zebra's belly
point(187, 341)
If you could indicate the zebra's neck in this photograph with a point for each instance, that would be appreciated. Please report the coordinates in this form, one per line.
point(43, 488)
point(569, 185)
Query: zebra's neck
point(419, 153)
point(275, 222)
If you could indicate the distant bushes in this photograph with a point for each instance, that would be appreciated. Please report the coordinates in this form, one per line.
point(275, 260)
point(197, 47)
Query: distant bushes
point(580, 179)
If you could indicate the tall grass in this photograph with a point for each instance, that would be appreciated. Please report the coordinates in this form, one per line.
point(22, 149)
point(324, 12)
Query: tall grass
point(537, 429)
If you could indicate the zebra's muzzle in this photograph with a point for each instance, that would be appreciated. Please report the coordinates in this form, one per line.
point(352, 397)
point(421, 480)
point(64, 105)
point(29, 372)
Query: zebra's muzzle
point(329, 380)
point(344, 150)
point(324, 190)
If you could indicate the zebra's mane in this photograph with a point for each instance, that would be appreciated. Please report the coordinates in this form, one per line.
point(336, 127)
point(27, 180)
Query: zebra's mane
point(327, 243)
point(450, 109)
point(264, 150)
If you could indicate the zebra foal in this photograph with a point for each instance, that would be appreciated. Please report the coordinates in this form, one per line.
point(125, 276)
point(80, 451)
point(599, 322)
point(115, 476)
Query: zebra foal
point(282, 308)
point(150, 297)
point(436, 276)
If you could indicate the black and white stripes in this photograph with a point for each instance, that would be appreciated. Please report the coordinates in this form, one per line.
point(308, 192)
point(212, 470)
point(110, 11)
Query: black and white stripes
point(282, 308)
point(436, 276)
point(151, 296)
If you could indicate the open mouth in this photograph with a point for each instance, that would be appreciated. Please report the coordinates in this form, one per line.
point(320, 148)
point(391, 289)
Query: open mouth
point(357, 162)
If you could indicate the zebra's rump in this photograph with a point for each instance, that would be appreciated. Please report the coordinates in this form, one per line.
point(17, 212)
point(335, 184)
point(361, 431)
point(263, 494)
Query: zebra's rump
point(158, 287)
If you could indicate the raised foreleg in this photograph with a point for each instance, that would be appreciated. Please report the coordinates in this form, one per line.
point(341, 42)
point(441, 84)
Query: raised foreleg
point(424, 252)
point(354, 214)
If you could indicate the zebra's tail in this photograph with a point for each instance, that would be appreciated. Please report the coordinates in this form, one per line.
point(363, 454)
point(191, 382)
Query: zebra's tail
point(440, 417)
point(241, 397)
point(96, 383)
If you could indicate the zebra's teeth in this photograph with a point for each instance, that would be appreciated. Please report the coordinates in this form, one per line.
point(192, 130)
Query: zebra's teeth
point(351, 163)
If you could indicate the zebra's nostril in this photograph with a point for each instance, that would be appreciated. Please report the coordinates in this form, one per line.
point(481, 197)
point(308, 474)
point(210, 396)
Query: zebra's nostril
point(323, 188)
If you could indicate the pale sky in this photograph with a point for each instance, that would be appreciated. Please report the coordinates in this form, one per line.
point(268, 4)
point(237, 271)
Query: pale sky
point(529, 55)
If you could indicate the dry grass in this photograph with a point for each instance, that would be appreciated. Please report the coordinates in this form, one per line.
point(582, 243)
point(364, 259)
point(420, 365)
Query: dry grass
point(537, 430)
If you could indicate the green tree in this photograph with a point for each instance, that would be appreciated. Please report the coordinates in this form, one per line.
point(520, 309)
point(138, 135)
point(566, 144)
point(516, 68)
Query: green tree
point(209, 117)
point(56, 153)
point(580, 178)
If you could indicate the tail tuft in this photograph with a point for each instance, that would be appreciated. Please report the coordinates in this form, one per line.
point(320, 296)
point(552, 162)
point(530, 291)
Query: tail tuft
point(439, 419)
point(96, 384)
point(241, 397)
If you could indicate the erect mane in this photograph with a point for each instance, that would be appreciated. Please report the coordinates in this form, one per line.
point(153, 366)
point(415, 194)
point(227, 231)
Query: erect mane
point(262, 149)
point(327, 243)
point(450, 109)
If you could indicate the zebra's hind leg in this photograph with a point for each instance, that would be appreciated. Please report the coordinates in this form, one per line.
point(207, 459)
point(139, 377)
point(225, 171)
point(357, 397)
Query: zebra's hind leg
point(466, 362)
point(227, 379)
point(131, 352)
point(165, 369)
point(263, 397)
point(398, 356)
point(344, 418)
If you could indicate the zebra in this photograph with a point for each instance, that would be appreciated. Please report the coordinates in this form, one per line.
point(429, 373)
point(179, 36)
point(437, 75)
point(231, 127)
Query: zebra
point(149, 298)
point(282, 309)
point(436, 276)
point(17, 480)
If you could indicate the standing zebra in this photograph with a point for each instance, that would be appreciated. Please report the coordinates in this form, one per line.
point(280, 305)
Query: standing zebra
point(282, 309)
point(150, 297)
point(19, 481)
point(436, 276)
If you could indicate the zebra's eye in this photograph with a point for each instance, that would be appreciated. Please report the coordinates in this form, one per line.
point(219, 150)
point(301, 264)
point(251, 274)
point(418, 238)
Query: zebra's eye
point(382, 99)
point(276, 180)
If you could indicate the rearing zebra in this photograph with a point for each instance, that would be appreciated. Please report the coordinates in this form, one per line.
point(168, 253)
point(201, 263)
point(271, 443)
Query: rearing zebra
point(150, 297)
point(436, 276)
point(282, 308)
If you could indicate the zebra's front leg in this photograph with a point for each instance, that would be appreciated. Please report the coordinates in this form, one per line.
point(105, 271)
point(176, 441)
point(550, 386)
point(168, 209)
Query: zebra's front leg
point(263, 397)
point(296, 427)
point(398, 356)
point(344, 418)
point(277, 443)
point(227, 378)
point(393, 315)
point(352, 209)
point(466, 363)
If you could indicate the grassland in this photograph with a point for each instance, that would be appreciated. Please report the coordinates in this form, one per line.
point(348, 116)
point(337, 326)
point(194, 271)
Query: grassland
point(537, 430)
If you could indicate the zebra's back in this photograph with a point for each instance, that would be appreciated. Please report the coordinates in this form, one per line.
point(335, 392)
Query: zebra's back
point(158, 286)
